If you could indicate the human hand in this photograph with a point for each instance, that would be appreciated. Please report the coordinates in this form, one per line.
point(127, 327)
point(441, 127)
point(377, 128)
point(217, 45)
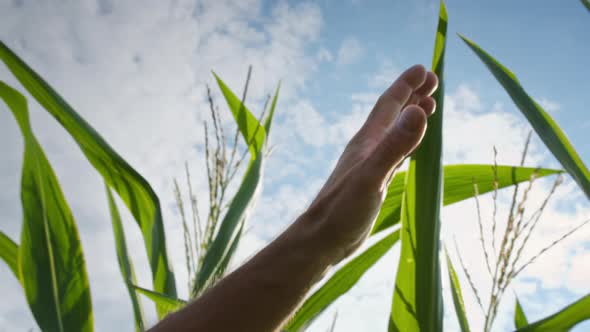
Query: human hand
point(343, 213)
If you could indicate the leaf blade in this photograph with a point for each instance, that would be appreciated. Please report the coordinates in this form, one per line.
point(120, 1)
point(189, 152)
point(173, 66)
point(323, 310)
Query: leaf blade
point(51, 260)
point(458, 180)
point(547, 129)
point(167, 303)
point(9, 253)
point(125, 264)
point(564, 319)
point(520, 319)
point(417, 299)
point(457, 296)
point(133, 189)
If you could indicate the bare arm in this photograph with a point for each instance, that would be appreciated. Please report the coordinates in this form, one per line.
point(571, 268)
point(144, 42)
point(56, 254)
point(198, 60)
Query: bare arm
point(264, 292)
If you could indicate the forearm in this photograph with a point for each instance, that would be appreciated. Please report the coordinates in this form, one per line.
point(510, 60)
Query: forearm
point(262, 293)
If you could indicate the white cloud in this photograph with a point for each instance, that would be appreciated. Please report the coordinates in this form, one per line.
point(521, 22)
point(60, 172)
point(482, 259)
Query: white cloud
point(385, 75)
point(549, 105)
point(351, 50)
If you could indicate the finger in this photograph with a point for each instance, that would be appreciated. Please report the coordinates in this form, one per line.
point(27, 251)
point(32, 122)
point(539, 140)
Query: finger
point(398, 142)
point(428, 104)
point(426, 89)
point(429, 86)
point(395, 97)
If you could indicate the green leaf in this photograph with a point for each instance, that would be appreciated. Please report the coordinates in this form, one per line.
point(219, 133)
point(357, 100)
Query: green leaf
point(520, 319)
point(341, 282)
point(563, 320)
point(125, 264)
point(255, 135)
point(51, 262)
point(9, 253)
point(417, 299)
point(458, 180)
point(547, 129)
point(586, 3)
point(133, 189)
point(230, 252)
point(249, 126)
point(457, 296)
point(167, 303)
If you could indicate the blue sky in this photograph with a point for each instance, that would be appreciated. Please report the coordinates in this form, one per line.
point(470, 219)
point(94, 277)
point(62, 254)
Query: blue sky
point(136, 70)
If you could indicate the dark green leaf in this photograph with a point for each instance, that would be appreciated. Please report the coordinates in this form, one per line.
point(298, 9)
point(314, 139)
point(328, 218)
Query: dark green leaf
point(547, 129)
point(417, 299)
point(255, 135)
point(586, 4)
point(341, 282)
point(520, 319)
point(563, 320)
point(458, 180)
point(51, 262)
point(133, 189)
point(9, 253)
point(125, 264)
point(457, 296)
point(167, 303)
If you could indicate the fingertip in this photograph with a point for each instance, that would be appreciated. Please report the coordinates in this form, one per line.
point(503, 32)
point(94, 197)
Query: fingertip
point(412, 119)
point(415, 76)
point(428, 104)
point(429, 86)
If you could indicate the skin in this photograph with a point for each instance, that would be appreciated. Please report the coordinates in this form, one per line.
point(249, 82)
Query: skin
point(264, 292)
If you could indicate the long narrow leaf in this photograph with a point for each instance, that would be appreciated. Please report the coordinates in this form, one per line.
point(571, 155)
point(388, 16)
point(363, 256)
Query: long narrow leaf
point(547, 129)
point(133, 189)
point(520, 319)
point(242, 203)
point(458, 180)
point(341, 282)
point(417, 299)
point(9, 253)
point(563, 320)
point(457, 296)
point(167, 303)
point(125, 264)
point(586, 4)
point(51, 261)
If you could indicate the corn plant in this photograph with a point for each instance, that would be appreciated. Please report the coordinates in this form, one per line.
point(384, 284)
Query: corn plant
point(223, 160)
point(504, 259)
point(49, 262)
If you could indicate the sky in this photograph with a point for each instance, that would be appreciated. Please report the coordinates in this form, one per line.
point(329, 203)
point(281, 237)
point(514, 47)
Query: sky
point(137, 70)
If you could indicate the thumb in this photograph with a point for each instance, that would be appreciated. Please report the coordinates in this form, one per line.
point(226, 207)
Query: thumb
point(399, 141)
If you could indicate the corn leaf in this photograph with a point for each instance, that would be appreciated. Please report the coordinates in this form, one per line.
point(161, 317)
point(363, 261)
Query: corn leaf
point(547, 129)
point(563, 320)
point(9, 253)
point(167, 303)
point(520, 319)
point(457, 296)
point(255, 135)
point(586, 4)
point(341, 282)
point(458, 180)
point(51, 261)
point(125, 264)
point(417, 299)
point(133, 189)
